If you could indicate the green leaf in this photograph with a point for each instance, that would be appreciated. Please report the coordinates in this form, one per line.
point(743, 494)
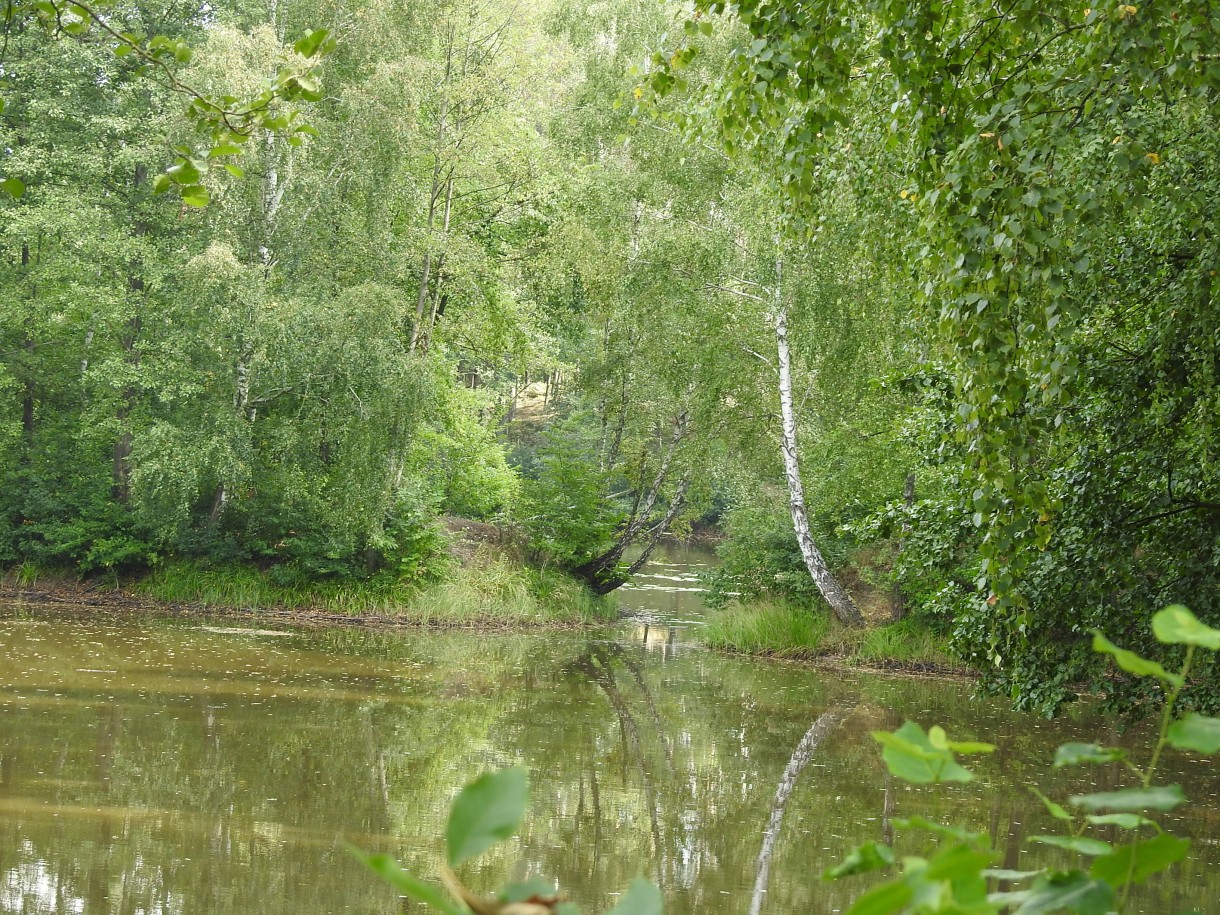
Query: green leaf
point(937, 829)
point(309, 45)
point(183, 172)
point(195, 196)
point(870, 856)
point(1195, 732)
point(957, 862)
point(389, 871)
point(1162, 797)
point(1056, 810)
point(883, 900)
point(1073, 892)
point(224, 149)
point(161, 184)
point(1178, 626)
point(487, 811)
point(1140, 859)
point(1133, 663)
point(1121, 820)
point(14, 187)
point(938, 739)
point(1000, 873)
point(1079, 844)
point(910, 755)
point(641, 898)
point(535, 886)
point(1073, 754)
point(235, 170)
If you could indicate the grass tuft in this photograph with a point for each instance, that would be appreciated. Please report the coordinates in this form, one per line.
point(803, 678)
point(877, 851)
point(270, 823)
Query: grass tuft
point(801, 633)
point(771, 630)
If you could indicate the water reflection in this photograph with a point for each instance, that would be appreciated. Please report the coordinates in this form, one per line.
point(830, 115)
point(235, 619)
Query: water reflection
point(154, 766)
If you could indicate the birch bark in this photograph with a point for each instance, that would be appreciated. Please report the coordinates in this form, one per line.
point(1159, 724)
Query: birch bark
point(840, 601)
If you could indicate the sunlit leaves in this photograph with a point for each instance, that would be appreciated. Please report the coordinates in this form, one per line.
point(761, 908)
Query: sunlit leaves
point(1176, 625)
point(920, 757)
point(1121, 820)
point(1133, 663)
point(315, 43)
point(225, 120)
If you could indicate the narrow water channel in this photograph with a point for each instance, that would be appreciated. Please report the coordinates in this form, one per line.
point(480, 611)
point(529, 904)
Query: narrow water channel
point(164, 766)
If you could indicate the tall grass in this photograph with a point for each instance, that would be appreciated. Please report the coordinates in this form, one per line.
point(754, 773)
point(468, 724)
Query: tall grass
point(773, 630)
point(801, 633)
point(494, 592)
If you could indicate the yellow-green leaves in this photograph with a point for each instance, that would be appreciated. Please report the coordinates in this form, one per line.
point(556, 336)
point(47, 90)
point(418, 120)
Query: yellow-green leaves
point(923, 758)
point(315, 43)
point(1133, 663)
point(1062, 892)
point(1175, 625)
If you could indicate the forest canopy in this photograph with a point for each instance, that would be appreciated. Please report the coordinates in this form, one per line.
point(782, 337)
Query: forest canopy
point(918, 297)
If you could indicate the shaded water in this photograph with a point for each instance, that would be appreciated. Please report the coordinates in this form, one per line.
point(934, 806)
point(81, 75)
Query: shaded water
point(159, 766)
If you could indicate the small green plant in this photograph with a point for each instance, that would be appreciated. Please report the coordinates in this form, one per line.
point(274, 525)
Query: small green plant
point(954, 876)
point(487, 811)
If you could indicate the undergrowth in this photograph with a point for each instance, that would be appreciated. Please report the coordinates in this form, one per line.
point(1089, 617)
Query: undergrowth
point(782, 630)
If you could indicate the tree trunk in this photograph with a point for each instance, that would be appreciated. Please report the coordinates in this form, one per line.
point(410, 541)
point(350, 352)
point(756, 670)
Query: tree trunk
point(898, 607)
point(840, 601)
point(121, 459)
point(599, 572)
point(421, 301)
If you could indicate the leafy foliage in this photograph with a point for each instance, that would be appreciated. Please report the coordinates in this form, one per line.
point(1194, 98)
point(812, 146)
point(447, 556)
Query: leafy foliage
point(953, 878)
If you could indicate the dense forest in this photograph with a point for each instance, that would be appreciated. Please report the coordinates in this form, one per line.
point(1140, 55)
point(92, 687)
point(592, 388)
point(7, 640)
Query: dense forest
point(904, 301)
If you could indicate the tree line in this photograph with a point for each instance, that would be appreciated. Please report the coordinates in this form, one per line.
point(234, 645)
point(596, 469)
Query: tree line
point(924, 292)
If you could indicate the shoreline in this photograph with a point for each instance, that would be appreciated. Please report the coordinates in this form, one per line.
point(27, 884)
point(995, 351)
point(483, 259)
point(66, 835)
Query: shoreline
point(121, 602)
point(82, 600)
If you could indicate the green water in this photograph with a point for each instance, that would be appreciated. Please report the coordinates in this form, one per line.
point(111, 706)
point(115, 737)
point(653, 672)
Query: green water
point(155, 766)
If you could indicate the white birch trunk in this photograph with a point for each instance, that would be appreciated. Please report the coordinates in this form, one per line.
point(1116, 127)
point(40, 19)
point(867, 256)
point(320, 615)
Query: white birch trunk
point(840, 601)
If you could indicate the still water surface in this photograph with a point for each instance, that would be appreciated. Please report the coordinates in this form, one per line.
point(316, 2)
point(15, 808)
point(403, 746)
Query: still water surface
point(161, 766)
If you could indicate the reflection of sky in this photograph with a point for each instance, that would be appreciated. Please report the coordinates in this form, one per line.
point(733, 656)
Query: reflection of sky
point(32, 889)
point(667, 591)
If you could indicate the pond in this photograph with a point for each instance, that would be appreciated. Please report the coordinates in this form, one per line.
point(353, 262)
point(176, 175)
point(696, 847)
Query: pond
point(168, 766)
